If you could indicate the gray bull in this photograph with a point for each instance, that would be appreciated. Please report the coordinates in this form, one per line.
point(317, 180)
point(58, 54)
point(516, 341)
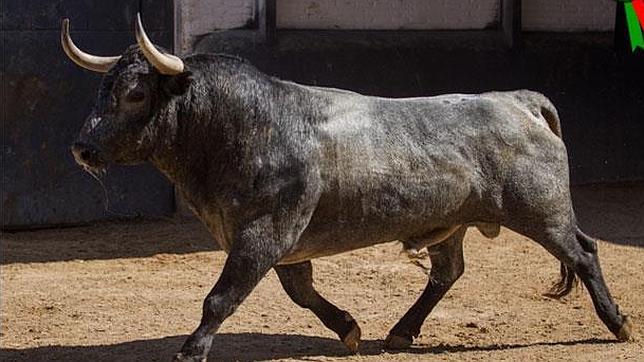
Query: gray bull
point(283, 173)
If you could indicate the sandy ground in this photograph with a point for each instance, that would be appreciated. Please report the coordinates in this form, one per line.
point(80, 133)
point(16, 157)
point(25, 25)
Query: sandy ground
point(133, 291)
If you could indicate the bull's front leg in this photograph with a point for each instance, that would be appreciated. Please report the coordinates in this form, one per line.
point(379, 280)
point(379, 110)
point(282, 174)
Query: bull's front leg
point(254, 251)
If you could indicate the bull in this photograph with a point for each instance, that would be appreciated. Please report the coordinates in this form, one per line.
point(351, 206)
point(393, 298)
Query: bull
point(282, 173)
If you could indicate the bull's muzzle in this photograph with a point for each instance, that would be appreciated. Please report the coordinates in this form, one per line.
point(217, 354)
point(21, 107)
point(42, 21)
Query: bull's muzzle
point(86, 156)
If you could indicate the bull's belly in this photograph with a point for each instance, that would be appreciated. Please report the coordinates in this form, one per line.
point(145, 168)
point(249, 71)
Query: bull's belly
point(365, 212)
point(310, 253)
point(329, 234)
point(330, 242)
point(316, 246)
point(312, 245)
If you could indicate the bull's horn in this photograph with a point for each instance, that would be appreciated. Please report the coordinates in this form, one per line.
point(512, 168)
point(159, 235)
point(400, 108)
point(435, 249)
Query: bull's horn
point(92, 62)
point(165, 63)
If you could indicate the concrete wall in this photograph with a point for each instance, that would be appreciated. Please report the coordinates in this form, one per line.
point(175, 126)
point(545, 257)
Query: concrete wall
point(386, 14)
point(568, 15)
point(200, 17)
point(538, 15)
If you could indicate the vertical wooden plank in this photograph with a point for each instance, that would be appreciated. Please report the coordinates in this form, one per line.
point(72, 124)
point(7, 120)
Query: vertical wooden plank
point(511, 22)
point(266, 17)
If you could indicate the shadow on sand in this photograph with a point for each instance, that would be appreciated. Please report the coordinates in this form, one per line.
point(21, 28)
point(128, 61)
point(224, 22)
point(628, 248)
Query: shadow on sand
point(247, 347)
point(107, 240)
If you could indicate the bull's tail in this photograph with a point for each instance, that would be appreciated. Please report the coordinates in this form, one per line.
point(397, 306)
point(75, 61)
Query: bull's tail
point(547, 111)
point(565, 285)
point(568, 280)
point(540, 105)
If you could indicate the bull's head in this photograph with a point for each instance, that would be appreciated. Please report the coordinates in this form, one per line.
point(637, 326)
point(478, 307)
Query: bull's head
point(136, 87)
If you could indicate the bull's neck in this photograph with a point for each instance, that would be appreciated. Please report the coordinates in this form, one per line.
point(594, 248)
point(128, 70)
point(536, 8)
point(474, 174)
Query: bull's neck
point(200, 144)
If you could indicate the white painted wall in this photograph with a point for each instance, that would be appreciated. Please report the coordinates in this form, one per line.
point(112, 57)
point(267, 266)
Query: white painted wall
point(198, 17)
point(386, 14)
point(568, 15)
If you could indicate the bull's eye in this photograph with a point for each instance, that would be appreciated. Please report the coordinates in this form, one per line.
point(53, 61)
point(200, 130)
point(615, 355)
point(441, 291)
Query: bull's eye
point(136, 96)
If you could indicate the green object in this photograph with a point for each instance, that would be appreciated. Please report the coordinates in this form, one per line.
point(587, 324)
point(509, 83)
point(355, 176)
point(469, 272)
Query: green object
point(634, 28)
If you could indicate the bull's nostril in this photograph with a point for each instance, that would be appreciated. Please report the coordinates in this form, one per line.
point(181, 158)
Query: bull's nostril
point(83, 153)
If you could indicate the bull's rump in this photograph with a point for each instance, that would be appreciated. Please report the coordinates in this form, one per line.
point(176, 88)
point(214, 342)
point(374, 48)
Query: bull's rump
point(398, 169)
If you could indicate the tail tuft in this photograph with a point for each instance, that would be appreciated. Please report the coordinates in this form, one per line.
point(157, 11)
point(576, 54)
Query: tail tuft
point(565, 285)
point(568, 279)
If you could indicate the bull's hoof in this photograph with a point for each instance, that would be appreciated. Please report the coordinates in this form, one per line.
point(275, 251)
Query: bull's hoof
point(180, 357)
point(397, 342)
point(352, 339)
point(626, 332)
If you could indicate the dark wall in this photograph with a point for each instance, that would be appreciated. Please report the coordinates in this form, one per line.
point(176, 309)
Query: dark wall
point(45, 99)
point(600, 97)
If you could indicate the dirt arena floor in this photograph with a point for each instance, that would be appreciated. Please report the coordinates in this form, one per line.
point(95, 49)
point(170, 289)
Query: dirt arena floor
point(133, 291)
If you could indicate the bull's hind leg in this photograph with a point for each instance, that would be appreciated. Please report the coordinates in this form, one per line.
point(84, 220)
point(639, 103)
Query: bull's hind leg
point(559, 234)
point(447, 267)
point(297, 280)
point(588, 269)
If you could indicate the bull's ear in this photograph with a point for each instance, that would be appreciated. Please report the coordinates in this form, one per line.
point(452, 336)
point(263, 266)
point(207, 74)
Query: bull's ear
point(177, 84)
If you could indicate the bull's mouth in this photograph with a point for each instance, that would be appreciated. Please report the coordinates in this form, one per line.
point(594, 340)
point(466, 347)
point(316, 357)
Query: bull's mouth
point(97, 168)
point(97, 171)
